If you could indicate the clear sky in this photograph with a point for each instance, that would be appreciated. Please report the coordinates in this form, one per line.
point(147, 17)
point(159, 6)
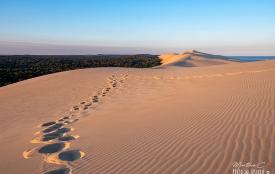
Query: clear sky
point(230, 27)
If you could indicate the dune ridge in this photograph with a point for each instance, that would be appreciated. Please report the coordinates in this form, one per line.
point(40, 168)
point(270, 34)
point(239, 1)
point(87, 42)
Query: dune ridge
point(193, 58)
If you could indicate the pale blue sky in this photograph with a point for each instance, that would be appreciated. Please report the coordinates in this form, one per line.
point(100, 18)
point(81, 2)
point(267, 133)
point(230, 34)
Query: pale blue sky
point(232, 27)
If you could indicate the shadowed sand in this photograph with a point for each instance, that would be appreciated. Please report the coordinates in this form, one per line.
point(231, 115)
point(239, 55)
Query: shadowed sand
point(70, 155)
point(52, 148)
point(163, 120)
point(59, 171)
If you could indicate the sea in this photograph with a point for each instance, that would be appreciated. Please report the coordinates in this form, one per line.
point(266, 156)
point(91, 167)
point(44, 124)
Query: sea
point(252, 58)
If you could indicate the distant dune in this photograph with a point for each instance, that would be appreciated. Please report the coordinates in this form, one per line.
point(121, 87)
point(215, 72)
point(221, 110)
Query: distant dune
point(201, 120)
point(193, 58)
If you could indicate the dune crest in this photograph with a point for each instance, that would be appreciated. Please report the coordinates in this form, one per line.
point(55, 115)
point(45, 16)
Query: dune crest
point(193, 58)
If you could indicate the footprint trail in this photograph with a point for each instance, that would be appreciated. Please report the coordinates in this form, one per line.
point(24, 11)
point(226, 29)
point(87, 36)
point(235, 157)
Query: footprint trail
point(54, 138)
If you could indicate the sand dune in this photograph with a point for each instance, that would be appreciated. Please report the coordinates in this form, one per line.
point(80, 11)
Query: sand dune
point(119, 120)
point(193, 58)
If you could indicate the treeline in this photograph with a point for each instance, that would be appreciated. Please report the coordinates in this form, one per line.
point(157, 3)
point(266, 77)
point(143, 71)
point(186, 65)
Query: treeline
point(17, 68)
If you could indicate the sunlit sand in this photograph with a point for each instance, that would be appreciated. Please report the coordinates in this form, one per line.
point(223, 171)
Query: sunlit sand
point(196, 113)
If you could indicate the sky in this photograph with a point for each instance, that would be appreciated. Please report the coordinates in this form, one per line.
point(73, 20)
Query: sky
point(228, 27)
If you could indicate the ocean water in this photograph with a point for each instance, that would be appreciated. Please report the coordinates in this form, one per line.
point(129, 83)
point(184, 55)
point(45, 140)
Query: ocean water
point(252, 58)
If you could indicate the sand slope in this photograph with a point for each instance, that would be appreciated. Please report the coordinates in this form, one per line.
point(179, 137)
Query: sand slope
point(193, 58)
point(166, 120)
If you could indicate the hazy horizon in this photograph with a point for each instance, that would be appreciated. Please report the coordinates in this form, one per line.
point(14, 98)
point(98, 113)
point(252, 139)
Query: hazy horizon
point(236, 28)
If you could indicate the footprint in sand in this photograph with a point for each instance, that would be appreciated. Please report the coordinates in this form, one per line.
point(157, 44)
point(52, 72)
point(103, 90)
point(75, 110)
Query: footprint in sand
point(71, 155)
point(48, 124)
point(64, 130)
point(51, 136)
point(67, 138)
point(64, 118)
point(60, 171)
point(114, 83)
point(71, 121)
point(53, 128)
point(87, 105)
point(76, 108)
point(85, 108)
point(52, 148)
point(95, 99)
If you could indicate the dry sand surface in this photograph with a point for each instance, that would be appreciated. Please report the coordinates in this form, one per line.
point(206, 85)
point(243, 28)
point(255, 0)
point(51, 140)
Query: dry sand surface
point(193, 58)
point(197, 120)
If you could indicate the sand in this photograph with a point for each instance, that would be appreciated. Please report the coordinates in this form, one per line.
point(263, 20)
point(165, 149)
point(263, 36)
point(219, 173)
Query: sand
point(193, 58)
point(160, 120)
